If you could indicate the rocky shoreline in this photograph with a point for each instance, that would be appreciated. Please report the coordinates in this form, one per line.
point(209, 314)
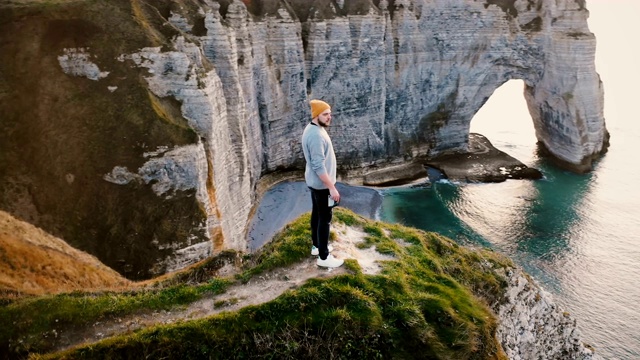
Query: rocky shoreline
point(481, 163)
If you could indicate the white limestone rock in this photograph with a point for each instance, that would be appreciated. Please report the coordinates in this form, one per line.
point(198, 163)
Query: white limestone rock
point(180, 169)
point(531, 326)
point(180, 22)
point(120, 175)
point(76, 62)
point(183, 168)
point(405, 82)
point(185, 256)
point(205, 105)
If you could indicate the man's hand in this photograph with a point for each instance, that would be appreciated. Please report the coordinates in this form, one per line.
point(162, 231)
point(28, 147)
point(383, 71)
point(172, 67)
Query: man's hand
point(335, 195)
point(333, 192)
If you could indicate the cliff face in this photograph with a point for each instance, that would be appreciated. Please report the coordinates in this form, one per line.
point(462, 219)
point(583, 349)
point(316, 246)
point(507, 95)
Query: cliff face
point(140, 127)
point(532, 326)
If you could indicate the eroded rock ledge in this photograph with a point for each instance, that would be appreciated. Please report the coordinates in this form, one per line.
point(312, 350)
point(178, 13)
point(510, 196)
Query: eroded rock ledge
point(483, 163)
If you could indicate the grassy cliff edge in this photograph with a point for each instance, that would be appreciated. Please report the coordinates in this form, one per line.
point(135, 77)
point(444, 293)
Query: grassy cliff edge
point(430, 299)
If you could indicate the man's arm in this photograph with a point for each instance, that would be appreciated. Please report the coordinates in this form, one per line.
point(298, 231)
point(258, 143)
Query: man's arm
point(335, 195)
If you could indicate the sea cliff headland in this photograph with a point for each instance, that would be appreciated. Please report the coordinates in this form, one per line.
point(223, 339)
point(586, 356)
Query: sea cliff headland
point(143, 127)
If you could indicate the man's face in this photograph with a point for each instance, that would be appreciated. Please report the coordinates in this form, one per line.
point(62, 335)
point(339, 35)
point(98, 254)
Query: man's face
point(324, 119)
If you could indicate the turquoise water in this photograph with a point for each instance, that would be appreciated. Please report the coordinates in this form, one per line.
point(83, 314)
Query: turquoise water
point(575, 236)
point(578, 235)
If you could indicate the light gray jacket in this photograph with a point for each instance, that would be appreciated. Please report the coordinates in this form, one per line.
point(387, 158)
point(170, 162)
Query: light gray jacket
point(318, 152)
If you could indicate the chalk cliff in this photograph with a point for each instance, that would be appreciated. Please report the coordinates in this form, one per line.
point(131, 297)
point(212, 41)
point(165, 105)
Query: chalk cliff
point(139, 130)
point(533, 326)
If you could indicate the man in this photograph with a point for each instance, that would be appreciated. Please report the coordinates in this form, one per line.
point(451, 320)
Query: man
point(320, 176)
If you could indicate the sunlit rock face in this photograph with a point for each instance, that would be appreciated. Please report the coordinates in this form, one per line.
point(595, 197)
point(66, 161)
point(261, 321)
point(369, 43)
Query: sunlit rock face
point(196, 101)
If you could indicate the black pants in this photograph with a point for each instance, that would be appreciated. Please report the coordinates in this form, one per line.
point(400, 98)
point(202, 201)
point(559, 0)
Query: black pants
point(321, 215)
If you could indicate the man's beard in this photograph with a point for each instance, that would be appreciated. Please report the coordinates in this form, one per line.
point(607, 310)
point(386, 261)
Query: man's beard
point(323, 124)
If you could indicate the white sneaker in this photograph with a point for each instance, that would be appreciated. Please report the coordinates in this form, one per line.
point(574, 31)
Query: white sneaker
point(315, 251)
point(330, 262)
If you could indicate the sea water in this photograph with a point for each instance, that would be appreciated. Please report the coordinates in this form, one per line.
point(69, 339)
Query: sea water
point(578, 235)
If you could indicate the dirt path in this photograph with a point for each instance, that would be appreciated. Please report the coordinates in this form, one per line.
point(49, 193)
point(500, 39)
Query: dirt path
point(261, 289)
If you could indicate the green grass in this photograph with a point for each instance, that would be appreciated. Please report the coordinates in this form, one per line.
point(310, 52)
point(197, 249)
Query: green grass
point(429, 302)
point(292, 245)
point(23, 323)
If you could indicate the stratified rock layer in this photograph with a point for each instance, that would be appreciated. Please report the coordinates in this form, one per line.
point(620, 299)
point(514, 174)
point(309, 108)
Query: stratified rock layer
point(141, 127)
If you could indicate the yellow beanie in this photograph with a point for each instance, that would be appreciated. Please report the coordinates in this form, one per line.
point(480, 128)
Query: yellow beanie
point(317, 107)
